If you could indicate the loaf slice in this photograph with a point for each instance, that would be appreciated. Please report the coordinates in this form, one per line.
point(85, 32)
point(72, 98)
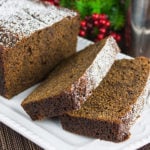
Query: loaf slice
point(115, 104)
point(33, 39)
point(68, 86)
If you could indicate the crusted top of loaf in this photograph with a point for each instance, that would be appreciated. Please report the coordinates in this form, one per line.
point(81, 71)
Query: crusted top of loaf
point(21, 18)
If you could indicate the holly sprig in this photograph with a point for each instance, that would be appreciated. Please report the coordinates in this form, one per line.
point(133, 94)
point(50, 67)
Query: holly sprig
point(97, 27)
point(99, 18)
point(114, 9)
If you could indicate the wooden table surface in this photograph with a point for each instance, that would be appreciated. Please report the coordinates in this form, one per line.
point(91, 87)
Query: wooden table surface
point(10, 140)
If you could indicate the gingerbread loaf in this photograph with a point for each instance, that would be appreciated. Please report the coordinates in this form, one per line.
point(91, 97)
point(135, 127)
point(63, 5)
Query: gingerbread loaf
point(33, 39)
point(115, 104)
point(69, 85)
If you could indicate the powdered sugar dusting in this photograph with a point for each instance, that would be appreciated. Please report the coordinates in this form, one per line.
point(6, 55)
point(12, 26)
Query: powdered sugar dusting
point(7, 38)
point(103, 62)
point(24, 17)
point(46, 15)
point(23, 26)
point(95, 73)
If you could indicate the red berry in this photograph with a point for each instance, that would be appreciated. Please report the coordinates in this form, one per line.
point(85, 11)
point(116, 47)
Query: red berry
point(96, 23)
point(100, 36)
point(103, 16)
point(107, 23)
point(103, 22)
point(83, 23)
point(87, 18)
point(102, 30)
point(84, 28)
point(56, 1)
point(89, 25)
point(82, 33)
point(49, 0)
point(100, 22)
point(95, 16)
point(118, 37)
point(52, 3)
point(114, 35)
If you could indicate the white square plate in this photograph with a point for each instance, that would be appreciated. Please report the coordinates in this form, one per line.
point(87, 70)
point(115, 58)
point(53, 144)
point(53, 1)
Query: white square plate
point(49, 134)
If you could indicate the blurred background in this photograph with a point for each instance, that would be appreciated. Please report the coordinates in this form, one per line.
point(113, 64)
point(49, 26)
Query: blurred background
point(128, 21)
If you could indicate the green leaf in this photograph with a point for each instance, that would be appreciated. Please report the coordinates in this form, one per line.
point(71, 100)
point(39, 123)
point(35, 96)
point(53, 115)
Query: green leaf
point(117, 19)
point(82, 7)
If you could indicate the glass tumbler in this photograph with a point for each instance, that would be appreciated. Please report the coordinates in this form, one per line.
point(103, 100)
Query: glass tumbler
point(138, 28)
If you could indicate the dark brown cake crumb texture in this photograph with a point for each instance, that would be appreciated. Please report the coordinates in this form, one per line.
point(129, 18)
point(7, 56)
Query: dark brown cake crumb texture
point(56, 94)
point(66, 73)
point(109, 111)
point(118, 91)
point(31, 59)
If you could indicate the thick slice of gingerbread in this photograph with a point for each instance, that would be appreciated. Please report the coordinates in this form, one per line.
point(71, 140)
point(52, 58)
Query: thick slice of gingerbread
point(72, 82)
